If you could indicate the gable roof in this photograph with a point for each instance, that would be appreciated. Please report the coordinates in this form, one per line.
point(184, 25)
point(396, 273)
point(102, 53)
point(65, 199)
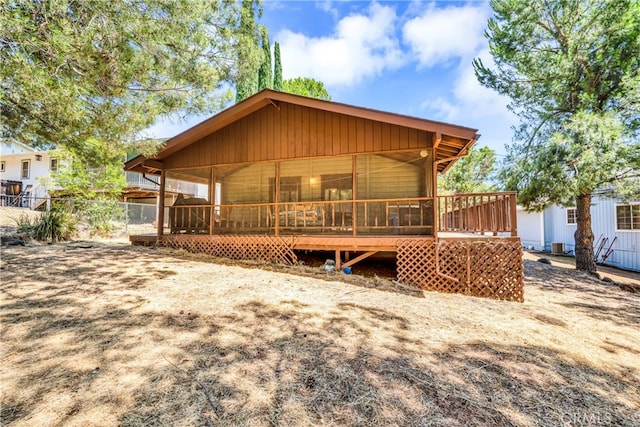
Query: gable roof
point(451, 140)
point(11, 146)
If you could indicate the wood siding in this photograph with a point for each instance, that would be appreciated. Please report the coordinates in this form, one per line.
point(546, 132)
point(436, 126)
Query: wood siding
point(292, 131)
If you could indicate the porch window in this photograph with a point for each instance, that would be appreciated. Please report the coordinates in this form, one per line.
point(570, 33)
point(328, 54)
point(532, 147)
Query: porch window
point(25, 169)
point(572, 216)
point(628, 217)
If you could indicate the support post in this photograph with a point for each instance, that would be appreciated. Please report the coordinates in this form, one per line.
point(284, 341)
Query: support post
point(161, 206)
point(276, 207)
point(514, 214)
point(354, 195)
point(434, 186)
point(212, 198)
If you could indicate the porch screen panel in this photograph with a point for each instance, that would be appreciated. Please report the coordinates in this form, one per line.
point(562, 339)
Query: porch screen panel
point(386, 177)
point(391, 191)
point(247, 183)
point(244, 194)
point(310, 172)
point(189, 210)
point(189, 183)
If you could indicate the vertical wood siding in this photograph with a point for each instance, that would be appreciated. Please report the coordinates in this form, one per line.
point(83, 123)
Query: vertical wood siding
point(293, 131)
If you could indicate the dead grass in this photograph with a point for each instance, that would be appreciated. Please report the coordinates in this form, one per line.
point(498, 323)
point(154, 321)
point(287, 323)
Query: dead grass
point(117, 335)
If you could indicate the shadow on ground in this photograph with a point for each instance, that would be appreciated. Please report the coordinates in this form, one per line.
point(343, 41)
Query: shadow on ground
point(85, 348)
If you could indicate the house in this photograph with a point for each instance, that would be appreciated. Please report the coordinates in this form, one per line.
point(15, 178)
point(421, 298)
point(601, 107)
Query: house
point(286, 173)
point(26, 178)
point(616, 230)
point(615, 224)
point(25, 174)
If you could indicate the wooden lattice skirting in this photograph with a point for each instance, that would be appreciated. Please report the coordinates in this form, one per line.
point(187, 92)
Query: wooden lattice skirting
point(485, 268)
point(262, 248)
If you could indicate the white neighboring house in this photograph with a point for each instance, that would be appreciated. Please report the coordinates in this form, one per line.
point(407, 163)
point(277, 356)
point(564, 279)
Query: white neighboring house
point(25, 174)
point(615, 224)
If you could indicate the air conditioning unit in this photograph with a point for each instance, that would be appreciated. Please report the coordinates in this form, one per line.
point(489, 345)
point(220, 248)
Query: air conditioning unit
point(557, 248)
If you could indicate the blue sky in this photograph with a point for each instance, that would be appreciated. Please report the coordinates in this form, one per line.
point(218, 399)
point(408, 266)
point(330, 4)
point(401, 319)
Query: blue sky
point(407, 57)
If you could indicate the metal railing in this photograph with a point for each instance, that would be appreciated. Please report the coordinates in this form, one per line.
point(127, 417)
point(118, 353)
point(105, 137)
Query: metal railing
point(135, 179)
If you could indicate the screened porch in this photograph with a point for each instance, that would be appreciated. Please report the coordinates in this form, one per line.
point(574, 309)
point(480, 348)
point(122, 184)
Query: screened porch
point(352, 195)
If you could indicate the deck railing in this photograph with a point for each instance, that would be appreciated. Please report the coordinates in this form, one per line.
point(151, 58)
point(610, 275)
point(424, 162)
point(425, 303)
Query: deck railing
point(478, 213)
point(135, 179)
point(471, 213)
point(372, 216)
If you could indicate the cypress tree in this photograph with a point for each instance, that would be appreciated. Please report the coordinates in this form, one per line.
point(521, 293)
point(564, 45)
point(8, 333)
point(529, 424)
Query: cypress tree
point(265, 79)
point(277, 68)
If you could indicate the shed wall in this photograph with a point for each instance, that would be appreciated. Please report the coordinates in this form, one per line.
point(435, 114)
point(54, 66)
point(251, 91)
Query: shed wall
point(626, 248)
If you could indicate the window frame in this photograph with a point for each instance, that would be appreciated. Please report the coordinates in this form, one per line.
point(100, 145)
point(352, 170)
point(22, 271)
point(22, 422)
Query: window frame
point(22, 174)
point(51, 161)
point(615, 218)
point(575, 215)
point(3, 166)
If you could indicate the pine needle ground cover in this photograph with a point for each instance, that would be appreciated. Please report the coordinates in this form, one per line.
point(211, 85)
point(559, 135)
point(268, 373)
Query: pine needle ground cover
point(103, 334)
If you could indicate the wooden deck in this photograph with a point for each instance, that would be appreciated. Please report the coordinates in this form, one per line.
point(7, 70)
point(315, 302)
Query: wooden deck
point(474, 248)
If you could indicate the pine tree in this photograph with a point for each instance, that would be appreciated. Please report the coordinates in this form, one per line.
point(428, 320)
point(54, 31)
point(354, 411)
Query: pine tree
point(248, 50)
point(74, 72)
point(572, 72)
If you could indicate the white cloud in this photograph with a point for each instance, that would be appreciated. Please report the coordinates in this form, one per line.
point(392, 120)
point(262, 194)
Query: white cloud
point(451, 38)
point(327, 6)
point(446, 41)
point(441, 35)
point(469, 99)
point(362, 46)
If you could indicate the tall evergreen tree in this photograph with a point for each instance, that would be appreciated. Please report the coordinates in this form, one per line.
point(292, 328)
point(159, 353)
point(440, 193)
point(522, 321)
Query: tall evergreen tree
point(102, 71)
point(571, 69)
point(249, 53)
point(265, 76)
point(277, 68)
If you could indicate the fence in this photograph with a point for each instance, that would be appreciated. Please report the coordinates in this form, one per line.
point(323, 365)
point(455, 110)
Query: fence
point(123, 217)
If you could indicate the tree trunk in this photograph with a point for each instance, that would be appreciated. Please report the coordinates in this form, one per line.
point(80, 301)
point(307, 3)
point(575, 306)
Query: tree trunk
point(584, 234)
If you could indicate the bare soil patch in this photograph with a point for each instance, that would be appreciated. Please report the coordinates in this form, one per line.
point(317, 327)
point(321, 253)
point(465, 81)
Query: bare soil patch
point(103, 334)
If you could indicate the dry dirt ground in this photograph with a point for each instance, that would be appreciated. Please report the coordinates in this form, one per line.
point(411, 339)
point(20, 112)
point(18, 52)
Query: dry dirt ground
point(103, 334)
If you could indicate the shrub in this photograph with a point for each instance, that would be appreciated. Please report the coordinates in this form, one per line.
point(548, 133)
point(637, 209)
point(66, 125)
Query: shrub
point(102, 215)
point(56, 225)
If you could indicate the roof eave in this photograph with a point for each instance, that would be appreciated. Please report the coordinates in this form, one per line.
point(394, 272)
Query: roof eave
point(268, 96)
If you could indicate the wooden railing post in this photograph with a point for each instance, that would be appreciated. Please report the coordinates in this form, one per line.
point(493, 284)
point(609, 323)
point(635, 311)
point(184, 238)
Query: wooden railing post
point(514, 214)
